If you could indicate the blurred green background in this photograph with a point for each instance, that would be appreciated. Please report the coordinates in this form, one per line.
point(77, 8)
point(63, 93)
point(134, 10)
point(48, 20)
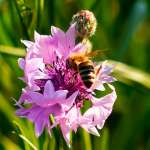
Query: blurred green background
point(123, 29)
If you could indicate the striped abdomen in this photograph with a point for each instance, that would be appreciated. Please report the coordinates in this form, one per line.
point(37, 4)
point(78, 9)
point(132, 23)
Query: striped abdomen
point(87, 73)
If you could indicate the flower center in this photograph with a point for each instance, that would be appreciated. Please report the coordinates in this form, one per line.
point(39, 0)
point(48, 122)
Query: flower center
point(66, 79)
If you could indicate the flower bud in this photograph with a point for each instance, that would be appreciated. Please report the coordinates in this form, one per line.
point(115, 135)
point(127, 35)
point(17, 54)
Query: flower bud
point(85, 23)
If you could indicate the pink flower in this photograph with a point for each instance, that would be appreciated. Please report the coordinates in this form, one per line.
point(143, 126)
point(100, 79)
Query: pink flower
point(53, 89)
point(50, 102)
point(100, 110)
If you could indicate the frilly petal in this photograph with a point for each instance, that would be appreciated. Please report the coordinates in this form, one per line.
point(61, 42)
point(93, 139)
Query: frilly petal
point(61, 95)
point(69, 101)
point(21, 62)
point(36, 36)
point(91, 130)
point(65, 131)
point(39, 126)
point(56, 31)
point(36, 98)
point(101, 109)
point(49, 89)
point(70, 36)
point(28, 44)
point(98, 85)
point(108, 99)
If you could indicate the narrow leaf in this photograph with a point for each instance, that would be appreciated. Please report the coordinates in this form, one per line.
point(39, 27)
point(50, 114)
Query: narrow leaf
point(130, 73)
point(28, 141)
point(86, 140)
point(12, 50)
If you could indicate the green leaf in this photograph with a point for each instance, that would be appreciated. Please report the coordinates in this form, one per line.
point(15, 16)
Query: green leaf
point(28, 141)
point(8, 144)
point(86, 139)
point(20, 132)
point(12, 50)
point(104, 139)
point(123, 71)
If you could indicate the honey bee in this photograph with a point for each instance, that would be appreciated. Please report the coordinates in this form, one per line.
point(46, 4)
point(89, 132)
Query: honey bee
point(82, 63)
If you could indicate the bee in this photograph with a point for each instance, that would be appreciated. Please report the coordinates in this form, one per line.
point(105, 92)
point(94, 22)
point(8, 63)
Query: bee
point(82, 63)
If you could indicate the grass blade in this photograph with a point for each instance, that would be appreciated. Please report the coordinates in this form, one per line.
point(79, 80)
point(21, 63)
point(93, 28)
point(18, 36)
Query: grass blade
point(28, 141)
point(12, 50)
point(8, 143)
point(86, 140)
point(21, 133)
point(130, 73)
point(105, 139)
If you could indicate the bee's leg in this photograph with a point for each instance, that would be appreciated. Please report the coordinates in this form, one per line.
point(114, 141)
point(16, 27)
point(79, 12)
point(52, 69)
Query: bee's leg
point(98, 69)
point(48, 66)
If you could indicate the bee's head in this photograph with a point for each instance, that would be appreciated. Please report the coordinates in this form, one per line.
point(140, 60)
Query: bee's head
point(70, 63)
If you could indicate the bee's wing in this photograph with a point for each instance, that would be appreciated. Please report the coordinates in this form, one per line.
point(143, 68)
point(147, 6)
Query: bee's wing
point(96, 53)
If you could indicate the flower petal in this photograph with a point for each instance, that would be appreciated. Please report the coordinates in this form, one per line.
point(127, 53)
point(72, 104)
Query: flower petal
point(21, 63)
point(36, 36)
point(40, 123)
point(65, 131)
point(73, 117)
point(56, 32)
point(69, 101)
point(101, 109)
point(49, 89)
point(28, 44)
point(36, 98)
point(91, 130)
point(61, 94)
point(107, 100)
point(70, 36)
